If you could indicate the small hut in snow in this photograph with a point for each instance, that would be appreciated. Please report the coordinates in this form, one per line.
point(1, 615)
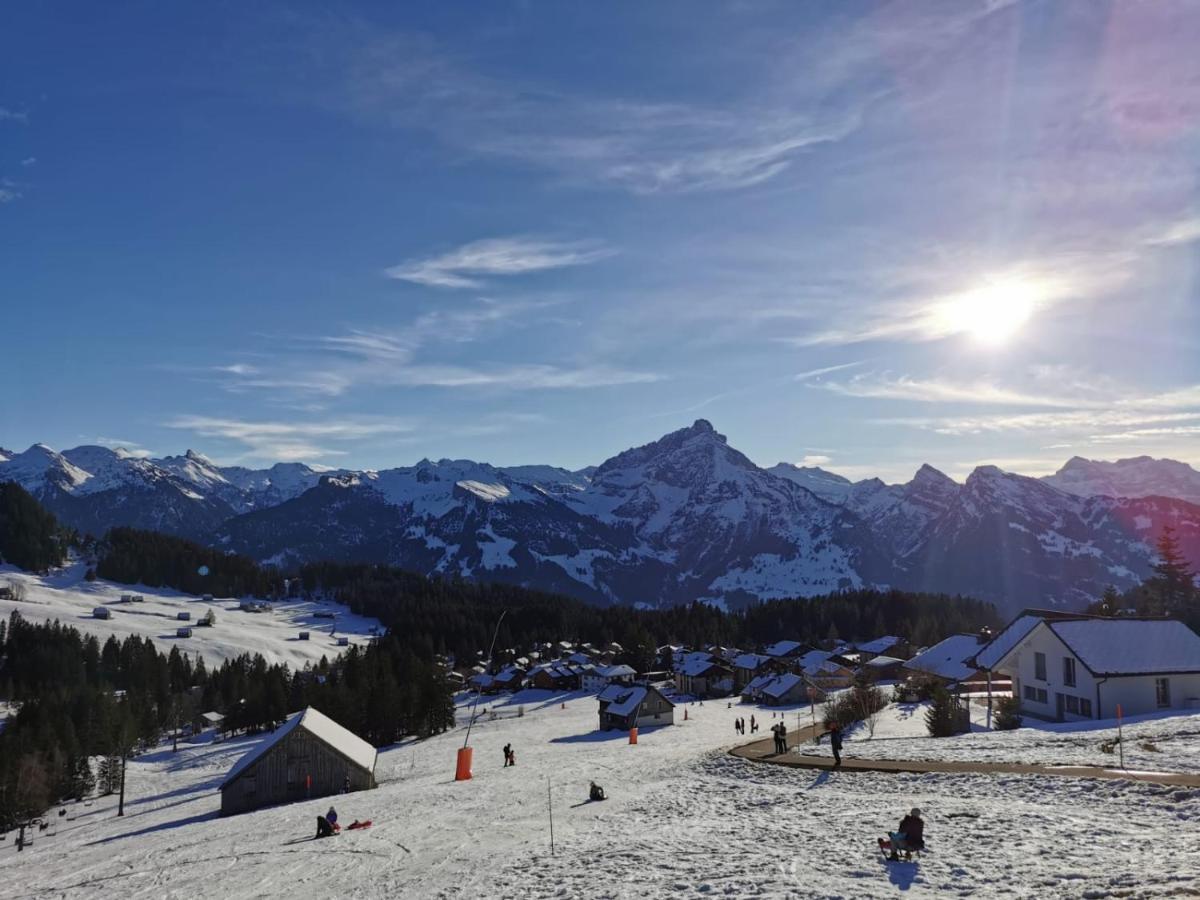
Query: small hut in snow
point(310, 755)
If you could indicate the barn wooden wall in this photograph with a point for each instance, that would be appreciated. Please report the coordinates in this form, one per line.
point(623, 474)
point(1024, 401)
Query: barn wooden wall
point(281, 775)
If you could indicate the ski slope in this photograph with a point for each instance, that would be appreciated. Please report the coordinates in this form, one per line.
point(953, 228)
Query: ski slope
point(683, 819)
point(66, 596)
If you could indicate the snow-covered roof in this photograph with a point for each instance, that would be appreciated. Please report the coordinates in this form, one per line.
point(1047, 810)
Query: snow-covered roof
point(881, 661)
point(695, 667)
point(880, 644)
point(750, 661)
point(947, 659)
point(783, 648)
point(212, 718)
point(320, 726)
point(629, 703)
point(813, 659)
point(620, 671)
point(612, 692)
point(1004, 642)
point(686, 658)
point(756, 684)
point(781, 684)
point(1131, 646)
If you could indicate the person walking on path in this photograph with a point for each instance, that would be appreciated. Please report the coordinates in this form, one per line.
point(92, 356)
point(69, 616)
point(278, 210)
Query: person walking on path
point(782, 735)
point(835, 743)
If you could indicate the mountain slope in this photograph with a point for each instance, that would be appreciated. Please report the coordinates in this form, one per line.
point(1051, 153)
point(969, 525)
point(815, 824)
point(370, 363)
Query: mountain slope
point(1140, 476)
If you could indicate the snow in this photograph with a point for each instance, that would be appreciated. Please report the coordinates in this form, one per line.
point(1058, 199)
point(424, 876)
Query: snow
point(1168, 741)
point(320, 726)
point(683, 819)
point(66, 596)
point(1131, 646)
point(948, 658)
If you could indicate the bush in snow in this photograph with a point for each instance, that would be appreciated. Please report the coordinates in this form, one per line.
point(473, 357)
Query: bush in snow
point(1008, 714)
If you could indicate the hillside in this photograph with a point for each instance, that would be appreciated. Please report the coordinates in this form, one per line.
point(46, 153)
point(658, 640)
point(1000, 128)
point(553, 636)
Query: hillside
point(682, 819)
point(66, 596)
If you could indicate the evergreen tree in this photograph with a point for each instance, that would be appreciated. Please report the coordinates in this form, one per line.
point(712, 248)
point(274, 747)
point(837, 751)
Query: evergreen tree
point(941, 719)
point(1008, 714)
point(1173, 584)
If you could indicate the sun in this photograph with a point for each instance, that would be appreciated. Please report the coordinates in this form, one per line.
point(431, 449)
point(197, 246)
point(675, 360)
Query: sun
point(992, 313)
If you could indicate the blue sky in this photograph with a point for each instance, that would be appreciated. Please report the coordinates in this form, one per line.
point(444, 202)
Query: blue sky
point(868, 235)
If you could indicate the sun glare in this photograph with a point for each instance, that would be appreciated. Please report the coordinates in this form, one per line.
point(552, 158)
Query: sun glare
point(992, 313)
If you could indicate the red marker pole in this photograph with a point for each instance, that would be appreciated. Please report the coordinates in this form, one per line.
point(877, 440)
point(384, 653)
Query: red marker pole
point(1120, 738)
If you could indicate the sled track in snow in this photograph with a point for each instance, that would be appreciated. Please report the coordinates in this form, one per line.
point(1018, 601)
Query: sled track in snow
point(763, 751)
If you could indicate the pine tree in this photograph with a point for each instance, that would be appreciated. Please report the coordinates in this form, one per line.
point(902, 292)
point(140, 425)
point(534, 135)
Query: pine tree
point(1110, 602)
point(942, 716)
point(1173, 583)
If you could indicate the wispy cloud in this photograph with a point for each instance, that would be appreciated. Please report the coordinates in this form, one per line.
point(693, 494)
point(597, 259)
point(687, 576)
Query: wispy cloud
point(1184, 231)
point(12, 115)
point(132, 448)
point(506, 256)
point(290, 441)
point(827, 370)
point(29, 161)
point(929, 390)
point(237, 369)
point(815, 459)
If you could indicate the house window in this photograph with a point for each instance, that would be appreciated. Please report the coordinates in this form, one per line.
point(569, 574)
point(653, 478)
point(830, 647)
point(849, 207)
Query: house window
point(1072, 704)
point(1039, 666)
point(1085, 707)
point(1069, 671)
point(1037, 695)
point(1162, 692)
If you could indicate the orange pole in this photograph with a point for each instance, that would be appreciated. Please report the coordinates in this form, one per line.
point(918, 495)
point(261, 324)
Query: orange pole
point(463, 772)
point(633, 735)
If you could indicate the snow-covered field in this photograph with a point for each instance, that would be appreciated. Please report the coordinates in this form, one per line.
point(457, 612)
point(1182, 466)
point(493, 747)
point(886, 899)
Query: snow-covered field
point(1161, 742)
point(683, 819)
point(66, 596)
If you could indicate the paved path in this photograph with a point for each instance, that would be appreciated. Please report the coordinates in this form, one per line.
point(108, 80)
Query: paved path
point(763, 751)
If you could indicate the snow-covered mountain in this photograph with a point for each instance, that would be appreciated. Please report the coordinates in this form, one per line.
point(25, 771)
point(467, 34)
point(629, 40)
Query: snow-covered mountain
point(1140, 476)
point(684, 517)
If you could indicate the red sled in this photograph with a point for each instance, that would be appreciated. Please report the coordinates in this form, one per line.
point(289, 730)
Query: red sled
point(355, 825)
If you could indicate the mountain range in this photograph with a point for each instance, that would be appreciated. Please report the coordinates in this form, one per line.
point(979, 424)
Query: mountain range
point(683, 518)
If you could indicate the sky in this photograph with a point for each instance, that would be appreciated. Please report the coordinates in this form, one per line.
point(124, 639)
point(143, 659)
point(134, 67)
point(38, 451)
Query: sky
point(858, 235)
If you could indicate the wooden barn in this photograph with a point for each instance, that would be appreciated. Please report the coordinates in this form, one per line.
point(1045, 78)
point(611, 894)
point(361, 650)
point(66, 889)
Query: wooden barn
point(308, 756)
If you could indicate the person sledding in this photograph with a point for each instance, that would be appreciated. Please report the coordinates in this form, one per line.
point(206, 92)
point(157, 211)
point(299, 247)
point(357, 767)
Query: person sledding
point(908, 837)
point(327, 825)
point(595, 792)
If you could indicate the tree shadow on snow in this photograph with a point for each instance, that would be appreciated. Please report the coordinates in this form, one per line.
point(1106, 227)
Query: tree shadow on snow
point(162, 826)
point(592, 737)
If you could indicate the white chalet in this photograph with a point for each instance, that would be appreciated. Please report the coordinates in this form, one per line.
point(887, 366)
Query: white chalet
point(597, 678)
point(1083, 668)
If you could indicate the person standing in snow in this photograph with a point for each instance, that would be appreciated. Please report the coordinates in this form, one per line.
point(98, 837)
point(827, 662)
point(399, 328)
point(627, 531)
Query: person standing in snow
point(782, 735)
point(507, 755)
point(835, 743)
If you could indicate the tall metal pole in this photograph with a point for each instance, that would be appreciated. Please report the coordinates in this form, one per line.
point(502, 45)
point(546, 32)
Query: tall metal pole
point(550, 806)
point(121, 802)
point(491, 650)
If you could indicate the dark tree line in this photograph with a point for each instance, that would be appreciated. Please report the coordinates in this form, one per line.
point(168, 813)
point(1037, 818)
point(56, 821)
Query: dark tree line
point(458, 617)
point(30, 536)
point(133, 556)
point(1169, 591)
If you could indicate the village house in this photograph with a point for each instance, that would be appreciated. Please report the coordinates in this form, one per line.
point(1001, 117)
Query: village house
point(556, 676)
point(703, 677)
point(308, 756)
point(889, 644)
point(628, 706)
point(777, 690)
point(1070, 669)
point(786, 650)
point(884, 668)
point(747, 667)
point(601, 677)
point(102, 612)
